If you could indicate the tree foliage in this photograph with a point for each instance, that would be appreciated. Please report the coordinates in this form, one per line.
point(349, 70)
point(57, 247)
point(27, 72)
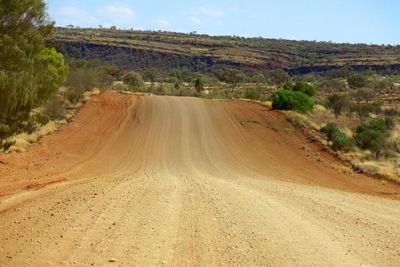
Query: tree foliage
point(372, 136)
point(332, 85)
point(29, 73)
point(53, 71)
point(253, 93)
point(305, 87)
point(133, 80)
point(337, 103)
point(151, 75)
point(277, 77)
point(357, 80)
point(86, 75)
point(230, 75)
point(199, 84)
point(340, 141)
point(363, 110)
point(287, 100)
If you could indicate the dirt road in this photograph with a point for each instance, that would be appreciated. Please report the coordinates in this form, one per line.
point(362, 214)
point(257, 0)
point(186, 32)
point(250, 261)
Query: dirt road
point(149, 181)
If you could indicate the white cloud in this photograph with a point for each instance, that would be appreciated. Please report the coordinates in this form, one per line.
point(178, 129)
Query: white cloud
point(211, 11)
point(117, 14)
point(195, 21)
point(163, 23)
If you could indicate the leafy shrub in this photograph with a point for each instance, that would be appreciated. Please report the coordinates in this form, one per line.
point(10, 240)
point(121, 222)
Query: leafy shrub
point(333, 85)
point(288, 100)
point(54, 108)
point(74, 94)
point(5, 131)
point(338, 102)
point(151, 75)
point(305, 88)
point(86, 75)
point(230, 75)
point(357, 80)
point(340, 141)
point(199, 84)
point(391, 112)
point(41, 119)
point(257, 78)
point(372, 136)
point(277, 77)
point(330, 129)
point(134, 81)
point(364, 94)
point(29, 125)
point(288, 86)
point(252, 94)
point(364, 109)
point(172, 79)
point(29, 72)
point(53, 74)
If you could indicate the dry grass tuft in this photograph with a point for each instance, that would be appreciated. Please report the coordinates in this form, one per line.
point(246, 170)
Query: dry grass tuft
point(343, 169)
point(384, 168)
point(302, 120)
point(319, 108)
point(23, 140)
point(87, 95)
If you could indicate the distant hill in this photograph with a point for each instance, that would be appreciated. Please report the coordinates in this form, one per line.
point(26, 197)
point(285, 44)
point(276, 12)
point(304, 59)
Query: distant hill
point(140, 50)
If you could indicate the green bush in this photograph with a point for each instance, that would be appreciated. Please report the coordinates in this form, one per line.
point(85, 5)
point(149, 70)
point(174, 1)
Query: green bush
point(230, 75)
point(305, 88)
point(364, 109)
point(357, 80)
point(5, 131)
point(54, 108)
point(292, 100)
point(277, 77)
point(372, 136)
point(41, 119)
point(134, 81)
point(199, 84)
point(54, 72)
point(74, 94)
point(86, 75)
point(252, 94)
point(29, 126)
point(340, 141)
point(288, 86)
point(338, 102)
point(330, 129)
point(28, 71)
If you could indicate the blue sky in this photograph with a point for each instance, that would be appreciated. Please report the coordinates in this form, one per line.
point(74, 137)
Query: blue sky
point(353, 21)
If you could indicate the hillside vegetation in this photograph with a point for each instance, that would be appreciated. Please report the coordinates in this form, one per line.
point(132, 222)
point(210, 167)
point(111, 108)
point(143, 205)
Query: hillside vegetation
point(30, 72)
point(140, 50)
